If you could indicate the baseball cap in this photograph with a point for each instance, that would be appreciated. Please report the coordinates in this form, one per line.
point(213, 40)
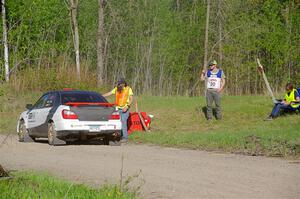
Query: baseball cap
point(121, 81)
point(213, 62)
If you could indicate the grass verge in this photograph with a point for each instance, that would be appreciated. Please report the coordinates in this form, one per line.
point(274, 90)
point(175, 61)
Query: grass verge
point(36, 185)
point(180, 122)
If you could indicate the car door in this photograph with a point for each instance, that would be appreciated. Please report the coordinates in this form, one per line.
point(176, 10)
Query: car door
point(32, 114)
point(37, 117)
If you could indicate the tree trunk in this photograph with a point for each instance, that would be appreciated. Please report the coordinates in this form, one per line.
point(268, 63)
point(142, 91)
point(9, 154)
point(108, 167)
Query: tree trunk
point(206, 42)
point(161, 76)
point(192, 89)
point(6, 63)
point(74, 9)
point(100, 39)
point(288, 40)
point(206, 35)
point(220, 32)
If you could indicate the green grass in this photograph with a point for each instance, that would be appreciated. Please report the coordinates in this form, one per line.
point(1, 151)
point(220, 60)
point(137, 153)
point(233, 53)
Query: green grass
point(11, 106)
point(180, 122)
point(36, 185)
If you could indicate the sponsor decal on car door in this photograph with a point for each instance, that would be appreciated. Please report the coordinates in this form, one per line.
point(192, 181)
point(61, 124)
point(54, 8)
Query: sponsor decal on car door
point(37, 117)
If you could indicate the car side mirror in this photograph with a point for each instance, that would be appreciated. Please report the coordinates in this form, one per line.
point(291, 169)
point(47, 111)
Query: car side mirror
point(29, 106)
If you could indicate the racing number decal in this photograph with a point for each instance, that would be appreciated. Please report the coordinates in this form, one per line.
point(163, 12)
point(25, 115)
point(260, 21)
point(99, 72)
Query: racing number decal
point(212, 84)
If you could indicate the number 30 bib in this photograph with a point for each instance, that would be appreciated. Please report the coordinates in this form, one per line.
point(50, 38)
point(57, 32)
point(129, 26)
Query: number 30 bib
point(214, 80)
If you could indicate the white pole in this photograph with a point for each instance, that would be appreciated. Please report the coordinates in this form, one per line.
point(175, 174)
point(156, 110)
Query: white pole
point(261, 69)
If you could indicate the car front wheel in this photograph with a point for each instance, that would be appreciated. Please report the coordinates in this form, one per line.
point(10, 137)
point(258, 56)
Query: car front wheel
point(23, 133)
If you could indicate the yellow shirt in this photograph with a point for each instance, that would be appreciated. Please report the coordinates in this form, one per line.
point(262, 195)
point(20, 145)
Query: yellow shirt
point(130, 93)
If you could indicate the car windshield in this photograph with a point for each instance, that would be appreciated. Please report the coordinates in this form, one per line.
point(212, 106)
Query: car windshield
point(82, 97)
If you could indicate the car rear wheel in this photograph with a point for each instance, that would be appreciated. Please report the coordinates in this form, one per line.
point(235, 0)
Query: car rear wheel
point(52, 136)
point(112, 141)
point(23, 133)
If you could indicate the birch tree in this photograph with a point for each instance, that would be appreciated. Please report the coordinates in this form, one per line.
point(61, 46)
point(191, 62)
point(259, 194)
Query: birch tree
point(220, 31)
point(206, 35)
point(73, 4)
point(5, 41)
point(100, 39)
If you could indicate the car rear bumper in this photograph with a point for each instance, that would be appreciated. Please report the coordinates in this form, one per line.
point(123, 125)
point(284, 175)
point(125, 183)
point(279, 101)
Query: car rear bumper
point(65, 135)
point(88, 127)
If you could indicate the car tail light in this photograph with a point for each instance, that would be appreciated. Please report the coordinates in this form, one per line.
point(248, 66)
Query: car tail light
point(114, 116)
point(67, 114)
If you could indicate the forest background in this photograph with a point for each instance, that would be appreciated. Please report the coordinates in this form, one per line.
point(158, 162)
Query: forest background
point(158, 45)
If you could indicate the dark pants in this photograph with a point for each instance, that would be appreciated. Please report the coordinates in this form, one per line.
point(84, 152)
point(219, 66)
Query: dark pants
point(277, 107)
point(213, 96)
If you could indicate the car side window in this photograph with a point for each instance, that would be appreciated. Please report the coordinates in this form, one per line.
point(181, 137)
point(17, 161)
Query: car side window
point(49, 101)
point(40, 102)
point(45, 101)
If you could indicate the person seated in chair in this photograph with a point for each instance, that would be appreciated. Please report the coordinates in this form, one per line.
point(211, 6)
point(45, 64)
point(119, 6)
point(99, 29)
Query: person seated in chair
point(291, 102)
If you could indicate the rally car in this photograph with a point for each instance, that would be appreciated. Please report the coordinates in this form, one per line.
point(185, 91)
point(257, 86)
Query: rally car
point(70, 115)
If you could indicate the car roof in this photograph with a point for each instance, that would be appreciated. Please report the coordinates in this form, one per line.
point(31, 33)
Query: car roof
point(72, 92)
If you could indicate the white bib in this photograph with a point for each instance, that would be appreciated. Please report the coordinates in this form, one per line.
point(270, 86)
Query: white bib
point(213, 82)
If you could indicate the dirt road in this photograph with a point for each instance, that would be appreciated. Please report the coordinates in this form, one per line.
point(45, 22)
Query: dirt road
point(162, 172)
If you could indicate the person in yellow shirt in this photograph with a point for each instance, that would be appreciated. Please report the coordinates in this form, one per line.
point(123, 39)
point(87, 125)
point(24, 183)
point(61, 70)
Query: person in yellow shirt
point(123, 100)
point(291, 102)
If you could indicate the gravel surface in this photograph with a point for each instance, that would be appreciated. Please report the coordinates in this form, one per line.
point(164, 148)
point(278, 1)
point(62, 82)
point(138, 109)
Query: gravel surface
point(161, 172)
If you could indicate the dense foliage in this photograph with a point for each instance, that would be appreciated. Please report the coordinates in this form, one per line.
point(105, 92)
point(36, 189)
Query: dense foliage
point(158, 45)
